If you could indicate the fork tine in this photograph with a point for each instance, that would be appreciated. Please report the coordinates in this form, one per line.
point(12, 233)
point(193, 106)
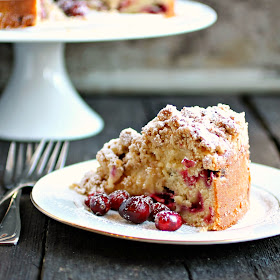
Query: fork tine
point(58, 156)
point(29, 152)
point(44, 158)
point(63, 155)
point(53, 158)
point(19, 162)
point(10, 164)
point(36, 157)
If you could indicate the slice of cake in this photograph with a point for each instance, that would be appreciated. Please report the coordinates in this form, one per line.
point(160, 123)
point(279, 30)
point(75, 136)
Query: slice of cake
point(195, 160)
point(23, 13)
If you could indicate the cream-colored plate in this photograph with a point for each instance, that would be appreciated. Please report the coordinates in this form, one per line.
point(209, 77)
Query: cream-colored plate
point(53, 197)
point(100, 26)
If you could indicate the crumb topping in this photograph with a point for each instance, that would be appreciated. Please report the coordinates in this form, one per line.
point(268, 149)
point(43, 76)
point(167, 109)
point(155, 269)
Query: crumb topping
point(214, 128)
point(209, 137)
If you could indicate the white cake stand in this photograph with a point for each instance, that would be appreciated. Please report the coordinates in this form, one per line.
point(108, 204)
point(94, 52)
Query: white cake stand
point(40, 101)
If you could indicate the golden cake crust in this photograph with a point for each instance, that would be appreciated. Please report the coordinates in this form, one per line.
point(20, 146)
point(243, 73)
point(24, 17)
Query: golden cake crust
point(232, 193)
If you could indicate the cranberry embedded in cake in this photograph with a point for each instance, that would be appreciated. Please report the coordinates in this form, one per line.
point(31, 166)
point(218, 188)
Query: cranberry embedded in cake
point(165, 7)
point(74, 7)
point(155, 9)
point(195, 161)
point(166, 197)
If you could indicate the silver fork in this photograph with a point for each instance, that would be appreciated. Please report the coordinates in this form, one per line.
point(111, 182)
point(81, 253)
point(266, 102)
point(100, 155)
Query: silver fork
point(46, 158)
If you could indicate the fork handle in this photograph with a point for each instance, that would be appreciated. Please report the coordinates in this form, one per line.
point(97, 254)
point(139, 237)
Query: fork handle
point(12, 191)
point(11, 225)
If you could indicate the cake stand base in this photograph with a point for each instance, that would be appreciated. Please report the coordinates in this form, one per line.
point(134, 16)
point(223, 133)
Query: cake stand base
point(40, 100)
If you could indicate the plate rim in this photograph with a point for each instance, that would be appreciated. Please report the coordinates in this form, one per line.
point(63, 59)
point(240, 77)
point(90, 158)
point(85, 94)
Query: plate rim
point(155, 240)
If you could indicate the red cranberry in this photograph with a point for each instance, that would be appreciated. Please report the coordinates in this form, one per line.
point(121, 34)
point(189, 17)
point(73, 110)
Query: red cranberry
point(79, 8)
point(114, 171)
point(207, 176)
point(188, 163)
point(117, 198)
point(148, 199)
point(73, 8)
point(198, 205)
point(168, 221)
point(156, 9)
point(87, 200)
point(124, 4)
point(135, 209)
point(209, 218)
point(158, 207)
point(189, 180)
point(100, 204)
point(166, 197)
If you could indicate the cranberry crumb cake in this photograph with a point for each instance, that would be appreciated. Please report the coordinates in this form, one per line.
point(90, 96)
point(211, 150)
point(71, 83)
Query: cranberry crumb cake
point(23, 13)
point(195, 161)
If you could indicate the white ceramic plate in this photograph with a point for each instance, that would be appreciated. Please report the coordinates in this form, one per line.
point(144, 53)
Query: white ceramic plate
point(190, 16)
point(53, 197)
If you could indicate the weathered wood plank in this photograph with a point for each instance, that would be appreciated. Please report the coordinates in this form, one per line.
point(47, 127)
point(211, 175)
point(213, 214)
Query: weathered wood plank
point(266, 111)
point(76, 254)
point(268, 108)
point(251, 260)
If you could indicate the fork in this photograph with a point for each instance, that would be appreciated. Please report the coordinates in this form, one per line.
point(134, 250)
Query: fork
point(46, 158)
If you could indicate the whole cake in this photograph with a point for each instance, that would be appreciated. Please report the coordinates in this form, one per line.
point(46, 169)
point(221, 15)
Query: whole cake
point(23, 13)
point(195, 160)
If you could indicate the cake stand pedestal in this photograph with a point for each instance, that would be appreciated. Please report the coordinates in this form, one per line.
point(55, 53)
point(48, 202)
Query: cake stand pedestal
point(40, 100)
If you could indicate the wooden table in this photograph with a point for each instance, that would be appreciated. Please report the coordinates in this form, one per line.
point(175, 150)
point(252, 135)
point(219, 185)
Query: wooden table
point(50, 250)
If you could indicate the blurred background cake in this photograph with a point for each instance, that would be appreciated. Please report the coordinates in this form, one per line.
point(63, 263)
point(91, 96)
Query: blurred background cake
point(23, 13)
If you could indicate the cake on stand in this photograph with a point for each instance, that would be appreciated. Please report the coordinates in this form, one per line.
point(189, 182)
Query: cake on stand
point(40, 101)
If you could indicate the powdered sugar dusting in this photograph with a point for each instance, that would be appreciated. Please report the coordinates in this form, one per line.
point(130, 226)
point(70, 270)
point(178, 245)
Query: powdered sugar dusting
point(52, 196)
point(214, 127)
point(264, 211)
